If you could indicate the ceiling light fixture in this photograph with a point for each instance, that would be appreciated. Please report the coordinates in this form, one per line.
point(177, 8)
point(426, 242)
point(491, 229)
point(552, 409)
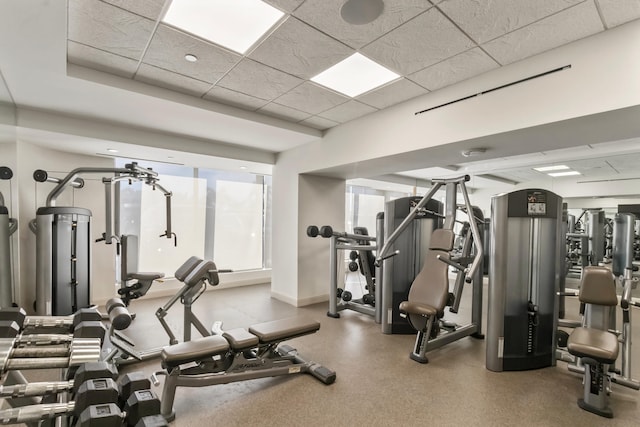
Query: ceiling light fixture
point(112, 150)
point(473, 152)
point(551, 168)
point(190, 57)
point(360, 12)
point(567, 173)
point(355, 75)
point(234, 24)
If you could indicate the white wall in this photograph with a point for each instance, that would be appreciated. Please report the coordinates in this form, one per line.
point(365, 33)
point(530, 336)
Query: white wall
point(519, 119)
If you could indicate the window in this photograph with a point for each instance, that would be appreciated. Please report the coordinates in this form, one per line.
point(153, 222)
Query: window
point(218, 215)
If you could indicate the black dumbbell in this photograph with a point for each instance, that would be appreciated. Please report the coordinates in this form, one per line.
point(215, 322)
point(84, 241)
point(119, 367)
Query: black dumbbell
point(85, 323)
point(353, 266)
point(312, 231)
point(346, 296)
point(95, 392)
point(369, 299)
point(141, 404)
point(326, 231)
point(103, 415)
point(131, 382)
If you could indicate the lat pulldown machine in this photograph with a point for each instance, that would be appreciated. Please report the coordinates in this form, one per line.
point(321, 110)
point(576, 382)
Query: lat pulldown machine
point(63, 234)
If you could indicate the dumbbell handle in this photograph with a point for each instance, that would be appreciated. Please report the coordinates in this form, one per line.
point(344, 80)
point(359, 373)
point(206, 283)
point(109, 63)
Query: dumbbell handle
point(81, 351)
point(34, 413)
point(35, 389)
point(48, 322)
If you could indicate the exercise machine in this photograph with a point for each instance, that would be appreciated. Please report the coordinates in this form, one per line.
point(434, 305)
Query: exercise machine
point(410, 242)
point(429, 292)
point(360, 247)
point(196, 274)
point(237, 355)
point(527, 249)
point(8, 226)
point(63, 237)
point(596, 347)
point(133, 283)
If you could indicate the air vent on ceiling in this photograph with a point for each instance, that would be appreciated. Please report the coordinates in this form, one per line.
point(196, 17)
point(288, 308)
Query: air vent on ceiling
point(546, 73)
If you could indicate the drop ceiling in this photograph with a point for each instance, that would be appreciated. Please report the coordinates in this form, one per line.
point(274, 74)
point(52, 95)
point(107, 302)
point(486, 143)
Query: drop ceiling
point(52, 54)
point(430, 44)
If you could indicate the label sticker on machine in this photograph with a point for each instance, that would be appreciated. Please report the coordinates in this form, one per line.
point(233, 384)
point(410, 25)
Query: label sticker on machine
point(294, 370)
point(536, 203)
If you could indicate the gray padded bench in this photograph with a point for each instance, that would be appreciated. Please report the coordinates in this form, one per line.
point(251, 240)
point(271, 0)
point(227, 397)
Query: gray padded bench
point(237, 340)
point(238, 355)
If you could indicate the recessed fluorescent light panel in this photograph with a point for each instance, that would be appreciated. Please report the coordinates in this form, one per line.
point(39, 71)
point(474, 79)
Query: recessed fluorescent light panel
point(355, 75)
point(234, 24)
point(551, 168)
point(567, 173)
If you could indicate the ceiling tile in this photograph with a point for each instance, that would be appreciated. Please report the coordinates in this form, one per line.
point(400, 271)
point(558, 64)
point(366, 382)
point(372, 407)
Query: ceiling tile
point(319, 123)
point(617, 12)
point(169, 46)
point(148, 8)
point(564, 27)
point(348, 111)
point(283, 112)
point(425, 40)
point(237, 99)
point(311, 98)
point(100, 60)
point(467, 64)
point(486, 20)
point(169, 80)
point(108, 28)
point(392, 93)
point(285, 5)
point(325, 16)
point(299, 49)
point(258, 80)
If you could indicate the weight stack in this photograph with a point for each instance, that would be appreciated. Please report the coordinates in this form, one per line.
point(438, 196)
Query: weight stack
point(63, 260)
point(527, 251)
point(5, 259)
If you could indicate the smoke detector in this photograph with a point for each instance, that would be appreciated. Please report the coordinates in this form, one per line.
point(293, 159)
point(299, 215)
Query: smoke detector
point(473, 152)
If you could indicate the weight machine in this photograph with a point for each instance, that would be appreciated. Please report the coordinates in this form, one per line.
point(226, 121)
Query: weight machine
point(361, 257)
point(429, 292)
point(8, 226)
point(63, 248)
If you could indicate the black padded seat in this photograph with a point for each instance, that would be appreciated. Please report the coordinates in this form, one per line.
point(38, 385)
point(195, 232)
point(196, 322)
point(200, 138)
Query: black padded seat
point(240, 339)
point(278, 330)
point(601, 346)
point(186, 268)
point(145, 276)
point(193, 351)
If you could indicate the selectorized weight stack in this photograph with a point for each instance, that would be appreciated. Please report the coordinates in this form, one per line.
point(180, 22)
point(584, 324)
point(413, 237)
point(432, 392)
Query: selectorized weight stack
point(63, 248)
point(411, 247)
point(7, 227)
point(527, 248)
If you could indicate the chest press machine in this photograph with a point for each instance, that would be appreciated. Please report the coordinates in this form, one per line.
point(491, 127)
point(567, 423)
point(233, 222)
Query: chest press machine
point(429, 293)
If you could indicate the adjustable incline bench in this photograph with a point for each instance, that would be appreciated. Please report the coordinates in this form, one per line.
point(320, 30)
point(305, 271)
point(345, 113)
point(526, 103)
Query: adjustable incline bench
point(237, 355)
